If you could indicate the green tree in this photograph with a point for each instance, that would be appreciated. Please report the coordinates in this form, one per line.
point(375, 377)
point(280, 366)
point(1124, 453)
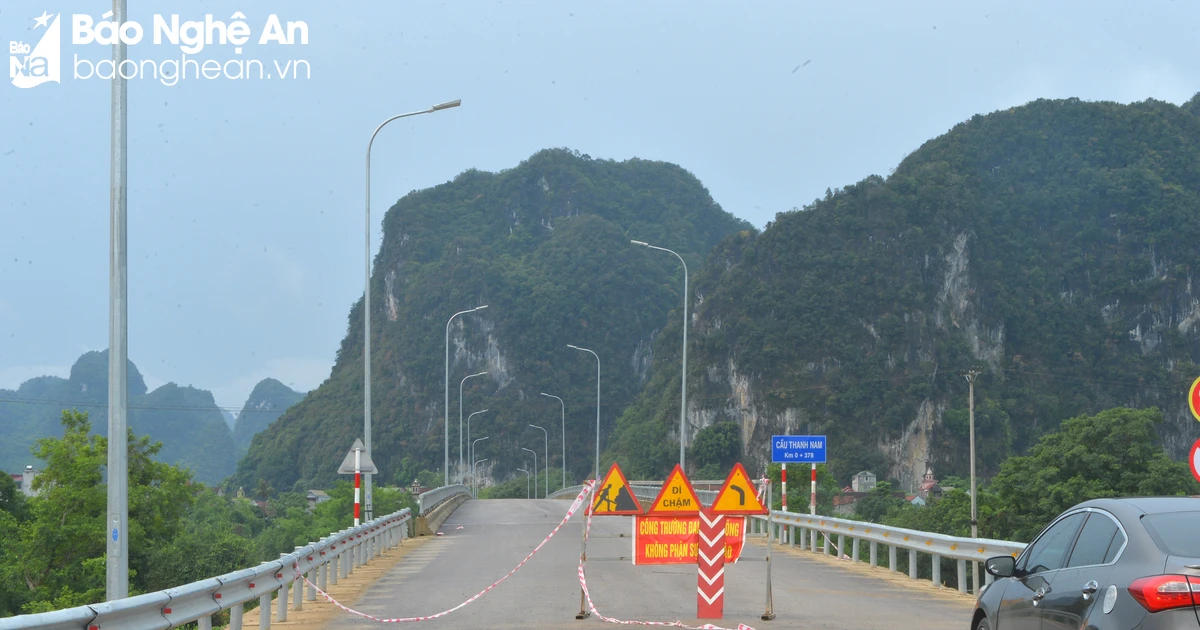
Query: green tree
point(878, 502)
point(715, 449)
point(59, 549)
point(1114, 453)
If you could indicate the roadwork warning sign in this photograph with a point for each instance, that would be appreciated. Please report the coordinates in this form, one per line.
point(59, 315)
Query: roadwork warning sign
point(613, 498)
point(676, 539)
point(677, 498)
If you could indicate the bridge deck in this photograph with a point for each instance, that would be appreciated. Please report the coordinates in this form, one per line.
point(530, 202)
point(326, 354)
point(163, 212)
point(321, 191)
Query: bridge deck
point(810, 592)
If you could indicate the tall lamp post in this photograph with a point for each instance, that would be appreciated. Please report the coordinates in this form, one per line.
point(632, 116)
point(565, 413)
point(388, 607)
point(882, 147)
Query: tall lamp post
point(597, 471)
point(683, 386)
point(475, 491)
point(367, 285)
point(470, 447)
point(535, 469)
point(971, 375)
point(526, 481)
point(474, 481)
point(117, 526)
point(546, 465)
point(446, 408)
point(564, 435)
point(462, 471)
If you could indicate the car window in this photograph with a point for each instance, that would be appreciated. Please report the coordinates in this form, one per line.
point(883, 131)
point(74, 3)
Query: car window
point(1097, 540)
point(1175, 532)
point(1050, 549)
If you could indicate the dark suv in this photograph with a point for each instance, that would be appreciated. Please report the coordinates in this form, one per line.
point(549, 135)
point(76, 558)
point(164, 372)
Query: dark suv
point(1108, 564)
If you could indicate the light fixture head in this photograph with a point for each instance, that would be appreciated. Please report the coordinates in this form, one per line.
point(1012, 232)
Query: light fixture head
point(642, 243)
point(447, 105)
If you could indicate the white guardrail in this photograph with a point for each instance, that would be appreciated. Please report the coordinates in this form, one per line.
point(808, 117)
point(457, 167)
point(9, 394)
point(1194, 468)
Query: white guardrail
point(815, 532)
point(427, 501)
point(804, 530)
point(322, 562)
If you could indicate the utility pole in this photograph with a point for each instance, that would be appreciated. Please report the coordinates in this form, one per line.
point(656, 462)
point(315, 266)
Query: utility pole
point(117, 530)
point(971, 375)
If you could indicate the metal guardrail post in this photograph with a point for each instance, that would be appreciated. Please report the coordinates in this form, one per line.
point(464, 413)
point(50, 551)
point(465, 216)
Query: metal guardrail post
point(912, 563)
point(937, 571)
point(841, 546)
point(284, 584)
point(892, 558)
point(874, 554)
point(854, 549)
point(962, 576)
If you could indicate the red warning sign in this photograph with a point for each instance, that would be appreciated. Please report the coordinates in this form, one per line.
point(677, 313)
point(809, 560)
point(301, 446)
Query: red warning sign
point(1194, 460)
point(676, 539)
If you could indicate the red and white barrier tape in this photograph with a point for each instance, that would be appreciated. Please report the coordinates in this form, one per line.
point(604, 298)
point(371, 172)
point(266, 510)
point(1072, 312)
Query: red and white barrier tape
point(592, 606)
point(570, 512)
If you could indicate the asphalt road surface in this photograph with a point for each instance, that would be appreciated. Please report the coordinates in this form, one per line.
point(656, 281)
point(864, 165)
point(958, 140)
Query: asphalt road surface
point(497, 534)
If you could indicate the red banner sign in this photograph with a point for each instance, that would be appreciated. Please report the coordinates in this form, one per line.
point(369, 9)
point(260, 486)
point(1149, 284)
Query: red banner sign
point(676, 539)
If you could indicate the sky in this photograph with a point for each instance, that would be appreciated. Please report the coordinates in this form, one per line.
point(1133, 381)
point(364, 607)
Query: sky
point(246, 196)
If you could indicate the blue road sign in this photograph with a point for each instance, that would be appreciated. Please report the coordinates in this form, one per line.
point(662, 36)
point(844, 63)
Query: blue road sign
point(798, 449)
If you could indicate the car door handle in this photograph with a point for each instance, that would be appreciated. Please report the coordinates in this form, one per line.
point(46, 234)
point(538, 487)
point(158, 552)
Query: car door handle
point(1090, 588)
point(1039, 594)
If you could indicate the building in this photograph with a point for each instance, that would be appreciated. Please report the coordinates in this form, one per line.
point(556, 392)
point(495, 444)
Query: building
point(24, 480)
point(929, 487)
point(316, 497)
point(863, 481)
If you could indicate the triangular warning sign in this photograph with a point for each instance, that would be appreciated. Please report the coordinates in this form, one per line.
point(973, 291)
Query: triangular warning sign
point(365, 465)
point(677, 498)
point(613, 497)
point(738, 496)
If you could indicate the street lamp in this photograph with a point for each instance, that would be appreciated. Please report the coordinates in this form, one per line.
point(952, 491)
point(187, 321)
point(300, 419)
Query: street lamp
point(683, 387)
point(446, 408)
point(534, 469)
point(564, 435)
point(546, 492)
point(970, 375)
point(461, 471)
point(526, 481)
point(475, 492)
point(597, 477)
point(470, 449)
point(367, 288)
point(474, 481)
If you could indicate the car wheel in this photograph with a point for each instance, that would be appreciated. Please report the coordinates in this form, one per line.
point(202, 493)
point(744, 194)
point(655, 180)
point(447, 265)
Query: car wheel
point(983, 624)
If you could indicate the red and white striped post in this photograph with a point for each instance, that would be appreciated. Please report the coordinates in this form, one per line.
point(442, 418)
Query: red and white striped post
point(812, 501)
point(783, 480)
point(357, 483)
point(710, 586)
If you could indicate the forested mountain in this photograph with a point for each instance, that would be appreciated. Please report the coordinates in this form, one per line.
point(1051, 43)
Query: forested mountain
point(1053, 245)
point(266, 403)
point(546, 246)
point(185, 419)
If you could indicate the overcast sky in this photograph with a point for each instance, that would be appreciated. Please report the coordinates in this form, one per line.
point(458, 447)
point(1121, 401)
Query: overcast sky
point(246, 196)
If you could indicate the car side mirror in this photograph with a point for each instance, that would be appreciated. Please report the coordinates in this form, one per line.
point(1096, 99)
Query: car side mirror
point(1001, 566)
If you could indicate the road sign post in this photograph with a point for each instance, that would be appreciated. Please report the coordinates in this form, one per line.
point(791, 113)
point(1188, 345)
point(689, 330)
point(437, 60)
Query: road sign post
point(710, 581)
point(801, 449)
point(357, 462)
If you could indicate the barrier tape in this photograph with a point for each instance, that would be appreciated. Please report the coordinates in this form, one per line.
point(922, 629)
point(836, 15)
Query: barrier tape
point(592, 606)
point(570, 512)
